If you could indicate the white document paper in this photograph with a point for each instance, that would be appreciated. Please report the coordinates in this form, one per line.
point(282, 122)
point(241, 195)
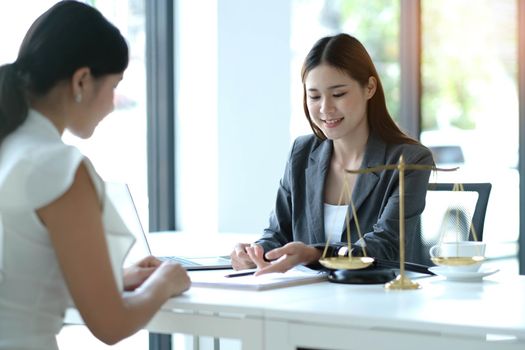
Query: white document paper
point(217, 279)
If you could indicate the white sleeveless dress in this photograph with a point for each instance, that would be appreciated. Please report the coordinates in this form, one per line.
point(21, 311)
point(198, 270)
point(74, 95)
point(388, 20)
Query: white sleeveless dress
point(36, 168)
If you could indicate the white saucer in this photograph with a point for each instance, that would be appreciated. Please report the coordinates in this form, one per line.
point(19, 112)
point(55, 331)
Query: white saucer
point(462, 276)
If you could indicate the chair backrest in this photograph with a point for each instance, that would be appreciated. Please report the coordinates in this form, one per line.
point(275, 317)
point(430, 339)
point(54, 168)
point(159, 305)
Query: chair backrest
point(448, 216)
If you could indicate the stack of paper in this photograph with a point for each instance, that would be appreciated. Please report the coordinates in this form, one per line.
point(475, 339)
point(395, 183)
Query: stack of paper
point(296, 276)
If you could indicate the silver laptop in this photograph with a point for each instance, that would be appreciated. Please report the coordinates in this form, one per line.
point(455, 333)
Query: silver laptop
point(124, 203)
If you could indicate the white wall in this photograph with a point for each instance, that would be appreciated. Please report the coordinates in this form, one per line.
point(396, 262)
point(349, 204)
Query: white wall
point(253, 109)
point(233, 110)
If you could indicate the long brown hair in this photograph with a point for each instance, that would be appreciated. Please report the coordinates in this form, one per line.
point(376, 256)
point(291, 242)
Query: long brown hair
point(347, 54)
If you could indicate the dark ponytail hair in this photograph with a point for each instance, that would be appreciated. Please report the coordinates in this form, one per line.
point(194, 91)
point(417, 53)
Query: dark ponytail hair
point(13, 105)
point(68, 36)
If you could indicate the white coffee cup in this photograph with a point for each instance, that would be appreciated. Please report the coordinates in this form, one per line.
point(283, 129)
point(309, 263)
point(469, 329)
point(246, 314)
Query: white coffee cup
point(459, 256)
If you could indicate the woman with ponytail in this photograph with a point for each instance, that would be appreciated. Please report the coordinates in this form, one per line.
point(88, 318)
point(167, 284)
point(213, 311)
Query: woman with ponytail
point(61, 239)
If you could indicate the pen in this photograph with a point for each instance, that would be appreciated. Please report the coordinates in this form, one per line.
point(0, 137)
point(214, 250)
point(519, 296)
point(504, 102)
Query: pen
point(239, 274)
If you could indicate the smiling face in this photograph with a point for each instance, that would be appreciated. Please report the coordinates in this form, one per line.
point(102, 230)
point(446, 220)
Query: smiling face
point(337, 103)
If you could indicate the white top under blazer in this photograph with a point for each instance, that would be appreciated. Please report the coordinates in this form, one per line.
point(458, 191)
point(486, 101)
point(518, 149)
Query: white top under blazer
point(36, 168)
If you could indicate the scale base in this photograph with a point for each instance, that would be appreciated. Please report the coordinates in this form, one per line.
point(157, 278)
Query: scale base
point(370, 275)
point(402, 282)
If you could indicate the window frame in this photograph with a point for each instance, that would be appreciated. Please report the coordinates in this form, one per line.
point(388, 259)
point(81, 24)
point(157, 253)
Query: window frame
point(160, 72)
point(521, 153)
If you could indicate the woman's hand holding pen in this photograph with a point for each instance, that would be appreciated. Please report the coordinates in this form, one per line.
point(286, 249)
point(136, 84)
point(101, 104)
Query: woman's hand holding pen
point(284, 258)
point(240, 259)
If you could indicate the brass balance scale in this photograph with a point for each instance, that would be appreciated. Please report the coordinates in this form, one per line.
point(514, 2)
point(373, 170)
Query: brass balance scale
point(401, 282)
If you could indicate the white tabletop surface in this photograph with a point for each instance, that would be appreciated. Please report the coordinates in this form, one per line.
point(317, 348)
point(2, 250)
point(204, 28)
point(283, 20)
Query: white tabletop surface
point(491, 306)
point(495, 305)
point(461, 310)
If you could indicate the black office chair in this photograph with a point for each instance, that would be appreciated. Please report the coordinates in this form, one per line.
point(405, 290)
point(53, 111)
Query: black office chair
point(448, 215)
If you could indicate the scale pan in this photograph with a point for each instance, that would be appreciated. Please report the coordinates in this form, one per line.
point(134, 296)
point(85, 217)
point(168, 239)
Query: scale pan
point(457, 260)
point(346, 263)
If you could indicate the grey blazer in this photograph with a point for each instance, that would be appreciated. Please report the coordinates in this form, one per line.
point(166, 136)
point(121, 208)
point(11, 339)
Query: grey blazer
point(299, 215)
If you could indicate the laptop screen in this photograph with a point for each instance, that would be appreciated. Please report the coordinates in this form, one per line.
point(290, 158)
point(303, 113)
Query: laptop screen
point(122, 199)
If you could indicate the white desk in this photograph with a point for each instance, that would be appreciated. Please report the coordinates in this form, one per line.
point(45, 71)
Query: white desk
point(441, 315)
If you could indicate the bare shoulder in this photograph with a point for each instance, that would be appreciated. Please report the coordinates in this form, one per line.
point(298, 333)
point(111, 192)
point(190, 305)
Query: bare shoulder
point(77, 205)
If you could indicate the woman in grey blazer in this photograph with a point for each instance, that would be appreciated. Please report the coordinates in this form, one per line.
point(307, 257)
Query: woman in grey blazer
point(345, 105)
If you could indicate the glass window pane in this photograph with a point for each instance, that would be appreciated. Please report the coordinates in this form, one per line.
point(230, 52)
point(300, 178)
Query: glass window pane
point(15, 19)
point(118, 148)
point(470, 103)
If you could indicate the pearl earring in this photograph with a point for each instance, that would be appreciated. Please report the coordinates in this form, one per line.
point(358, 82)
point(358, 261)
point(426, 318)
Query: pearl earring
point(78, 98)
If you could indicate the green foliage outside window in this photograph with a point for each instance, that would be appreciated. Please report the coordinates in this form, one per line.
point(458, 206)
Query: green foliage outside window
point(468, 51)
point(376, 24)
